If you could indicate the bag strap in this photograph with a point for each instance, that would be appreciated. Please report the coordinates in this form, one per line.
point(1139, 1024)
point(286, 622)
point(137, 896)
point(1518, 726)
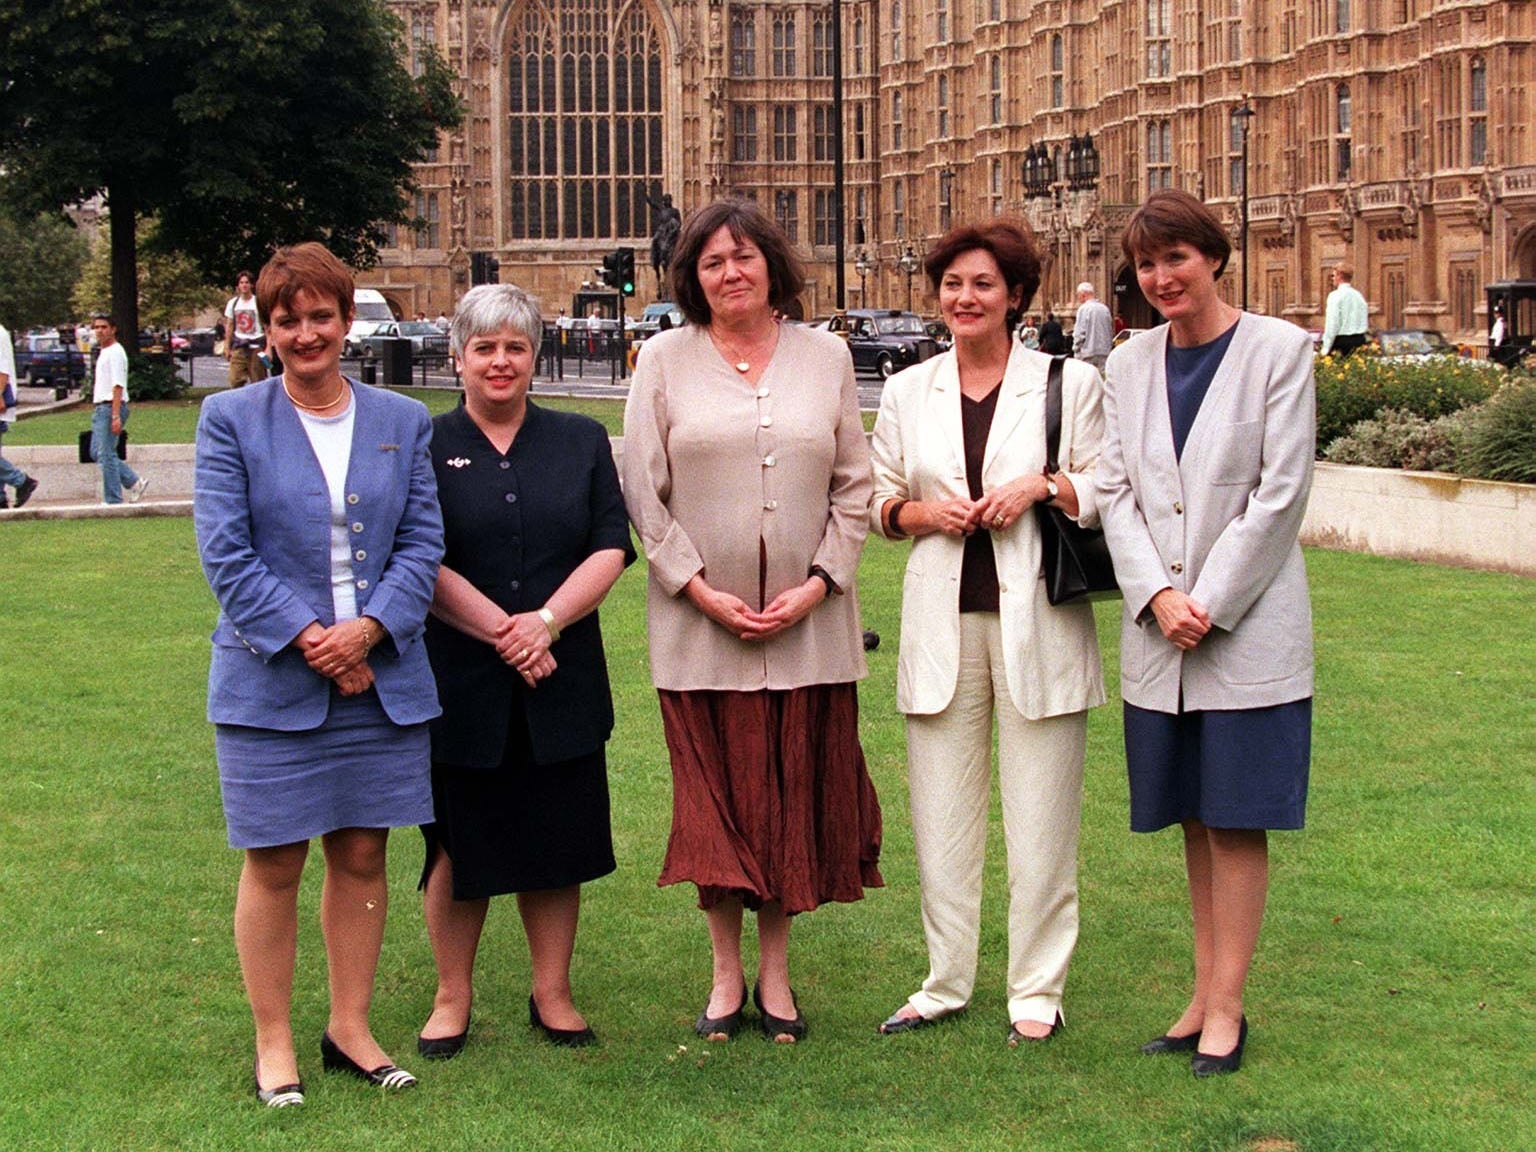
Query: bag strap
point(1053, 414)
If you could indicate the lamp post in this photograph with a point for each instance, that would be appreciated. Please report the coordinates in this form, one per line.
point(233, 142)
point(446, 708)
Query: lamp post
point(1244, 113)
point(862, 266)
point(908, 263)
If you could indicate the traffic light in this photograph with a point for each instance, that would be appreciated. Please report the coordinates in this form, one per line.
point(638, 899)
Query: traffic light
point(610, 269)
point(624, 259)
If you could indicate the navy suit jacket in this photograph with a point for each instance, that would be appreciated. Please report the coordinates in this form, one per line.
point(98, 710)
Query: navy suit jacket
point(263, 518)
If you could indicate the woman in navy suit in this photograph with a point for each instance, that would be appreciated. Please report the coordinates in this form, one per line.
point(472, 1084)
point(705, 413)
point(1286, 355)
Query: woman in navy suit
point(1210, 430)
point(319, 531)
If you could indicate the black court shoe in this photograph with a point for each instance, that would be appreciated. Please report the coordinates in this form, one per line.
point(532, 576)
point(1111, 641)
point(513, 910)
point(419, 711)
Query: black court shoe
point(777, 1028)
point(1203, 1065)
point(564, 1037)
point(725, 1026)
point(384, 1076)
point(286, 1096)
point(1165, 1045)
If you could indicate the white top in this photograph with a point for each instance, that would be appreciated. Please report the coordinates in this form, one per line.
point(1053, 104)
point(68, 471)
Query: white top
point(111, 372)
point(7, 370)
point(244, 321)
point(331, 439)
point(1347, 315)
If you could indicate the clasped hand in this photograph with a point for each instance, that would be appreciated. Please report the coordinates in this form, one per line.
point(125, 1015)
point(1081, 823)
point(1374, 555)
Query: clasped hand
point(522, 641)
point(997, 511)
point(1183, 621)
point(733, 614)
point(338, 653)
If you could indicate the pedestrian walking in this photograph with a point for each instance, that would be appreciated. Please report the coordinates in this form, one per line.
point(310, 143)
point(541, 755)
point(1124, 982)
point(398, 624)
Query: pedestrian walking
point(1093, 331)
point(246, 341)
point(1348, 316)
point(110, 415)
point(10, 475)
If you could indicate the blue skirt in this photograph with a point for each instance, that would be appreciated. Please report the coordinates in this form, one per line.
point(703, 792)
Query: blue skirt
point(357, 770)
point(1245, 768)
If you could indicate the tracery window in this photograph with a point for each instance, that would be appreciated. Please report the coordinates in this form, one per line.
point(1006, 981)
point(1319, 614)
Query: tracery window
point(895, 17)
point(743, 133)
point(743, 44)
point(943, 106)
point(1159, 39)
point(783, 31)
point(897, 142)
point(1477, 106)
point(821, 44)
point(785, 148)
point(584, 139)
point(822, 145)
point(997, 90)
point(1058, 68)
point(824, 222)
point(1159, 154)
point(1343, 126)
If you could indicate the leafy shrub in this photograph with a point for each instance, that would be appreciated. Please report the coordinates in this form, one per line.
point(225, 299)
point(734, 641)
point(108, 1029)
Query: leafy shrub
point(1360, 386)
point(1501, 435)
point(154, 378)
point(1398, 439)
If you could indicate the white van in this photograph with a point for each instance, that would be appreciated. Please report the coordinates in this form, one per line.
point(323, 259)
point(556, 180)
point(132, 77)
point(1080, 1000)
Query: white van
point(369, 310)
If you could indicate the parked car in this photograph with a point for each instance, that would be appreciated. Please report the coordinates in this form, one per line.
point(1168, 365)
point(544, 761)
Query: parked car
point(193, 342)
point(43, 361)
point(649, 321)
point(1414, 343)
point(369, 311)
point(1125, 334)
point(885, 340)
point(427, 341)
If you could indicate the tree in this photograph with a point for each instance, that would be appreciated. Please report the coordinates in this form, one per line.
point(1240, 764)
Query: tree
point(238, 126)
point(41, 262)
point(171, 286)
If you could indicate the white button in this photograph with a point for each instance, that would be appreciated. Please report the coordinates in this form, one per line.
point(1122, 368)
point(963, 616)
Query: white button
point(360, 555)
point(362, 584)
point(357, 525)
point(763, 393)
point(769, 461)
point(770, 504)
point(352, 497)
point(766, 422)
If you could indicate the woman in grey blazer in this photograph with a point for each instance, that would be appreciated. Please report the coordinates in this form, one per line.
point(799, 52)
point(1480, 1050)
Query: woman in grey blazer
point(1208, 447)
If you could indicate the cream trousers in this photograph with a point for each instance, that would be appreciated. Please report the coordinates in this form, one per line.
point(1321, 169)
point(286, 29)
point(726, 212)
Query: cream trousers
point(1040, 772)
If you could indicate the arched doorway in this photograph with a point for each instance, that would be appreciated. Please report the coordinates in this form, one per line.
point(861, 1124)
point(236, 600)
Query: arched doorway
point(1130, 305)
point(1525, 253)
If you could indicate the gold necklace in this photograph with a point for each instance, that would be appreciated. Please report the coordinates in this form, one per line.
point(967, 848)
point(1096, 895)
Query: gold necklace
point(743, 361)
point(331, 403)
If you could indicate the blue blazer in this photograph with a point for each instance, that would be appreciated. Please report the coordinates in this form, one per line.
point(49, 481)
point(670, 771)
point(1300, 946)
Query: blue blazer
point(263, 518)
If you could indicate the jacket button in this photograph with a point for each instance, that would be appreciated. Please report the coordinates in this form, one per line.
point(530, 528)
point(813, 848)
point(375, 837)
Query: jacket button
point(1178, 509)
point(352, 497)
point(770, 504)
point(769, 461)
point(360, 555)
point(504, 464)
point(766, 422)
point(510, 497)
point(763, 393)
point(362, 585)
point(1177, 567)
point(357, 525)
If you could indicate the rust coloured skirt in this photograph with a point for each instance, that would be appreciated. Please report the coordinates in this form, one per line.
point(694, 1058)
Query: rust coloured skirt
point(771, 799)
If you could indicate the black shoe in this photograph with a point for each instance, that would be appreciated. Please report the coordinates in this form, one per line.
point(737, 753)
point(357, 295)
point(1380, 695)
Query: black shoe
point(1015, 1037)
point(1164, 1045)
point(775, 1027)
point(24, 493)
point(1202, 1065)
point(897, 1023)
point(287, 1096)
point(725, 1026)
point(564, 1037)
point(384, 1076)
point(442, 1047)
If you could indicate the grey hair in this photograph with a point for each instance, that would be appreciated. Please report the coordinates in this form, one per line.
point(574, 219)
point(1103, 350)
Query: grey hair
point(490, 308)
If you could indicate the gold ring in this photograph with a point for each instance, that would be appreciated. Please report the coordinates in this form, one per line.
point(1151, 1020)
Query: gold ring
point(523, 654)
point(997, 521)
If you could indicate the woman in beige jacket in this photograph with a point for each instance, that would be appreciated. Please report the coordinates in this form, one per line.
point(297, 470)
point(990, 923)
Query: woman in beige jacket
point(960, 463)
point(746, 474)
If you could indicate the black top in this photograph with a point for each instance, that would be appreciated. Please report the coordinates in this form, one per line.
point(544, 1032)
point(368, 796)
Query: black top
point(1190, 372)
point(978, 568)
point(1052, 339)
point(516, 526)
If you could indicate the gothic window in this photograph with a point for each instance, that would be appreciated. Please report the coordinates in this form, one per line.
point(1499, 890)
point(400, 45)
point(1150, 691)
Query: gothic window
point(941, 14)
point(860, 214)
point(584, 140)
point(943, 106)
point(898, 210)
point(997, 90)
point(743, 44)
point(786, 213)
point(423, 39)
point(1341, 16)
point(783, 45)
point(427, 220)
point(1159, 154)
point(784, 146)
point(896, 129)
point(858, 46)
point(821, 44)
point(821, 133)
point(997, 188)
point(1235, 155)
point(1159, 39)
point(860, 148)
point(1058, 68)
point(1343, 119)
point(1464, 294)
point(896, 52)
point(824, 222)
point(1477, 103)
point(1448, 106)
point(743, 133)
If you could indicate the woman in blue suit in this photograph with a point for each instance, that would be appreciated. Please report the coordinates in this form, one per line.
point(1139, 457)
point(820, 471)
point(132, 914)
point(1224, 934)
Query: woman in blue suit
point(319, 531)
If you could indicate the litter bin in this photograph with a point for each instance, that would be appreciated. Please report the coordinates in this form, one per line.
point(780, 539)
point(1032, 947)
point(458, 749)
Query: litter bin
point(395, 357)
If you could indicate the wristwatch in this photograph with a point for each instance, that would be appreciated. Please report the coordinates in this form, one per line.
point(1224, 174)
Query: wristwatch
point(1051, 491)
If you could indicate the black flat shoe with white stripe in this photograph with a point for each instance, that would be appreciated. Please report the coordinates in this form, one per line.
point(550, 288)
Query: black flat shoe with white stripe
point(384, 1076)
point(285, 1097)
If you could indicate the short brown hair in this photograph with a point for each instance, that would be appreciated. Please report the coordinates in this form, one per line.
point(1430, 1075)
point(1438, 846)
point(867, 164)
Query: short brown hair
point(747, 221)
point(1345, 271)
point(1172, 216)
point(303, 267)
point(1011, 244)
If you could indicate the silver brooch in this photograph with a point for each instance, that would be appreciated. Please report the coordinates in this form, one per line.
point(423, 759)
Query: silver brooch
point(458, 462)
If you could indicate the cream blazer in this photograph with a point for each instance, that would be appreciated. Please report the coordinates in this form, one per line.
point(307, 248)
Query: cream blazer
point(713, 465)
point(1051, 655)
point(1219, 524)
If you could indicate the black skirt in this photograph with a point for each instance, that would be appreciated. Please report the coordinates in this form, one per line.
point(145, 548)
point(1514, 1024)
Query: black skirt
point(521, 826)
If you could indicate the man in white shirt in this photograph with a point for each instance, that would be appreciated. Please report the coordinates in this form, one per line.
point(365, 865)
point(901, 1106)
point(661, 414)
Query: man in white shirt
point(10, 474)
point(1093, 330)
point(246, 340)
point(110, 415)
point(1347, 315)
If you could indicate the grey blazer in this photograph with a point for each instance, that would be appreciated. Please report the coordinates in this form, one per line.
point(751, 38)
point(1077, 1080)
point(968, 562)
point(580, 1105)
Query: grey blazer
point(1220, 524)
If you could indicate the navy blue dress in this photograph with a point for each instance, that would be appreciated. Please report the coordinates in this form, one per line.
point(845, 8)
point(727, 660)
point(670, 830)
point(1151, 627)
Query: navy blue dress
point(1237, 768)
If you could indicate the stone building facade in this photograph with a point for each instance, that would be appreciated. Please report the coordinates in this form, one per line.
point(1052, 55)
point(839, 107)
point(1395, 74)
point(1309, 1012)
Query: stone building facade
point(1395, 134)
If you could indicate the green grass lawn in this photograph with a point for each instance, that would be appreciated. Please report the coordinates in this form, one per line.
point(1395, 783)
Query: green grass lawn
point(1391, 1001)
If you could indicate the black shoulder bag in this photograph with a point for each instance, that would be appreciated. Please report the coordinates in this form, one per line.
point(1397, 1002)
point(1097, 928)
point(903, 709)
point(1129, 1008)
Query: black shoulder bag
point(1075, 559)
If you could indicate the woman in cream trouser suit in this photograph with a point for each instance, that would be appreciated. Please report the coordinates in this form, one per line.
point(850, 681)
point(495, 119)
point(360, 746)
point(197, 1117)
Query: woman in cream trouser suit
point(978, 644)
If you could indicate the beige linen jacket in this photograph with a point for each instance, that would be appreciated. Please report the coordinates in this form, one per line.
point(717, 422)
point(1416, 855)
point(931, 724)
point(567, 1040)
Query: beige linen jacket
point(1051, 655)
point(1219, 524)
point(712, 465)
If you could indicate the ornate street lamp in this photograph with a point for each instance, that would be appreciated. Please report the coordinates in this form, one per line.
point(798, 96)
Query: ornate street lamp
point(1244, 113)
point(863, 267)
point(908, 263)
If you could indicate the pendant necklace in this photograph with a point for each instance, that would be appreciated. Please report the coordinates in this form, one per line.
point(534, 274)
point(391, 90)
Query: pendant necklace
point(742, 363)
